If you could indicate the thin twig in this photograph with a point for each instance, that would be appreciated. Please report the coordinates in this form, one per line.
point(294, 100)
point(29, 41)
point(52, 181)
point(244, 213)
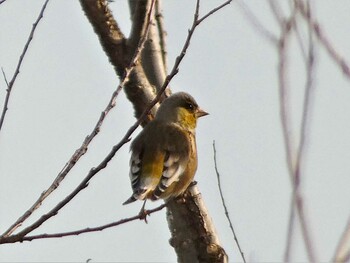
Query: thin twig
point(276, 11)
point(84, 147)
point(88, 229)
point(2, 1)
point(290, 231)
point(299, 39)
point(224, 205)
point(293, 168)
point(342, 252)
point(14, 77)
point(338, 59)
point(252, 18)
point(304, 128)
point(283, 99)
point(305, 122)
point(213, 11)
point(5, 78)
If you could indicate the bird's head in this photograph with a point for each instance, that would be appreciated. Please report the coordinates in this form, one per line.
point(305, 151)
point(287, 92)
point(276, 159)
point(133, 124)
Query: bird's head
point(182, 109)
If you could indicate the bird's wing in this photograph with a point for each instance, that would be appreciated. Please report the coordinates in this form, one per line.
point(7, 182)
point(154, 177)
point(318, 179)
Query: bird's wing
point(173, 168)
point(176, 150)
point(156, 163)
point(145, 171)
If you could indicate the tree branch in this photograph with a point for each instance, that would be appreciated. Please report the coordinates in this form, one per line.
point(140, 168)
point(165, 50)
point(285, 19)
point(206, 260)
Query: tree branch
point(138, 89)
point(85, 230)
point(342, 252)
point(84, 147)
point(193, 235)
point(293, 170)
point(254, 21)
point(107, 29)
point(338, 59)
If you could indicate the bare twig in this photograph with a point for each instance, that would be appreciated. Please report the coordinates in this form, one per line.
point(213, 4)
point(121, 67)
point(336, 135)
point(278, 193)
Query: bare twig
point(88, 229)
point(2, 1)
point(290, 231)
point(342, 252)
point(224, 205)
point(283, 97)
point(293, 165)
point(5, 78)
point(276, 11)
point(84, 147)
point(252, 18)
point(338, 59)
point(304, 128)
point(14, 77)
point(305, 122)
point(214, 10)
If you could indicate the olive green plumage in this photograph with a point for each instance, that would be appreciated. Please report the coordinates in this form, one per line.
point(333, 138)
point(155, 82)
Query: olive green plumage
point(164, 156)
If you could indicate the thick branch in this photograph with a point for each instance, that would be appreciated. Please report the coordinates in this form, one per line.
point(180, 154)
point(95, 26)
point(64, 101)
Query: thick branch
point(111, 37)
point(194, 237)
point(138, 89)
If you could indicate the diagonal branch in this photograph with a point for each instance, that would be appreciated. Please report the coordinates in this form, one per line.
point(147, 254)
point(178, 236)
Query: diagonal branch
point(292, 164)
point(254, 21)
point(107, 29)
point(19, 64)
point(342, 253)
point(86, 230)
point(317, 29)
point(84, 147)
point(119, 51)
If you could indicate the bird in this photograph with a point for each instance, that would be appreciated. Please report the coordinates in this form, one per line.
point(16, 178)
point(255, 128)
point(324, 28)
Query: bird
point(163, 158)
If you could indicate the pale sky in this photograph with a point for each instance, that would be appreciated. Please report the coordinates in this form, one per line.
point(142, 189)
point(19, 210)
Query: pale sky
point(66, 81)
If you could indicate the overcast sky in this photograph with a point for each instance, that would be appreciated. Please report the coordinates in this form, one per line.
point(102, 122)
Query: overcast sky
point(231, 69)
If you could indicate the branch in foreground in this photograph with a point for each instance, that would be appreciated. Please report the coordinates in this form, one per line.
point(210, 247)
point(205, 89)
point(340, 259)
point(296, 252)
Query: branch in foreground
point(294, 172)
point(224, 205)
point(88, 229)
point(339, 60)
point(84, 147)
point(342, 253)
point(12, 82)
point(251, 17)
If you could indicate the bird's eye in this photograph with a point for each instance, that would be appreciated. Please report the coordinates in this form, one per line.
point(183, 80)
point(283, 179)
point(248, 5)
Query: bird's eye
point(190, 106)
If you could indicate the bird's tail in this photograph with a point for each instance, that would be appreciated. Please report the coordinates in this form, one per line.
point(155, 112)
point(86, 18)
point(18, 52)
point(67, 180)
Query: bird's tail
point(130, 200)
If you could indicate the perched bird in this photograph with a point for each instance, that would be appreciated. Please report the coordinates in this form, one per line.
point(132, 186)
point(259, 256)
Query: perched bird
point(164, 156)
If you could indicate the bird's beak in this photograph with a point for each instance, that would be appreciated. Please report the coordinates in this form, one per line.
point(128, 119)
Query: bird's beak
point(201, 113)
